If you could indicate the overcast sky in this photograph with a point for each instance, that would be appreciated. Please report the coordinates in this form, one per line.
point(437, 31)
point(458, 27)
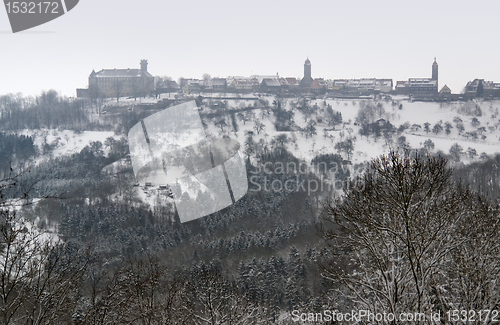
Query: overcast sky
point(343, 39)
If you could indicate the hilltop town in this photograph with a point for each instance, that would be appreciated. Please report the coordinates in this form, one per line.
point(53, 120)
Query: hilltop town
point(116, 83)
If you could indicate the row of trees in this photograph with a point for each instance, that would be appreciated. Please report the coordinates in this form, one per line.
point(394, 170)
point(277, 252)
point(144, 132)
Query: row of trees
point(48, 110)
point(14, 148)
point(46, 281)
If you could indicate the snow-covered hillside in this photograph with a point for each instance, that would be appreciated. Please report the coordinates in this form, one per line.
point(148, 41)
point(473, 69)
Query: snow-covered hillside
point(474, 126)
point(479, 132)
point(64, 142)
point(308, 146)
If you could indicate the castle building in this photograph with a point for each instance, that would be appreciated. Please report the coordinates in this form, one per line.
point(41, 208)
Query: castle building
point(119, 82)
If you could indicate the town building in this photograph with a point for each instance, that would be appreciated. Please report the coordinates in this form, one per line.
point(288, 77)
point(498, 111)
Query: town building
point(490, 88)
point(421, 87)
point(119, 83)
point(192, 85)
point(445, 90)
point(400, 87)
point(219, 84)
point(364, 85)
point(243, 84)
point(318, 85)
point(172, 86)
point(290, 84)
point(270, 85)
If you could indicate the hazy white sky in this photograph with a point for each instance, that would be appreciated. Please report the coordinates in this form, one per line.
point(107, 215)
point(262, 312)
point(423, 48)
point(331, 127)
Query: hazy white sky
point(343, 39)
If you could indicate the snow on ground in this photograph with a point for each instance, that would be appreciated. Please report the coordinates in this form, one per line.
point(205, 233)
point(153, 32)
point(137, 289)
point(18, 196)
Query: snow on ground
point(37, 235)
point(420, 113)
point(76, 142)
point(307, 147)
point(444, 144)
point(366, 149)
point(66, 142)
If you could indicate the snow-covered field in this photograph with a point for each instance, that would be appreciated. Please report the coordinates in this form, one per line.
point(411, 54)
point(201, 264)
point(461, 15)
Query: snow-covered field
point(65, 142)
point(366, 149)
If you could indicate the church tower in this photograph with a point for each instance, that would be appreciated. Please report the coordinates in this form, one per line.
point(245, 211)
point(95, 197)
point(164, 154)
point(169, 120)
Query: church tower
point(307, 80)
point(435, 70)
point(307, 69)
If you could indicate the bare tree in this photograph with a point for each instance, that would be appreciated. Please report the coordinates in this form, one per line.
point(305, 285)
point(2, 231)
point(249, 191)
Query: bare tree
point(137, 88)
point(259, 127)
point(207, 78)
point(39, 274)
point(281, 140)
point(392, 238)
point(141, 291)
point(96, 98)
point(246, 116)
point(310, 129)
point(456, 151)
point(475, 267)
point(428, 145)
point(346, 146)
point(221, 124)
point(38, 277)
point(367, 113)
point(161, 84)
point(216, 300)
point(118, 87)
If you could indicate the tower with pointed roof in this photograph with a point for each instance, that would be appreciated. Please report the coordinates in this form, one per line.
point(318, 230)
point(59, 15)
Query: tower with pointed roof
point(307, 80)
point(307, 69)
point(435, 70)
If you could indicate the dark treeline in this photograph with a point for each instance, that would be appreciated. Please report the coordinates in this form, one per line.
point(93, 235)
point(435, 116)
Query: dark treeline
point(85, 207)
point(67, 176)
point(70, 283)
point(14, 148)
point(48, 110)
point(253, 262)
point(246, 238)
point(482, 176)
point(244, 257)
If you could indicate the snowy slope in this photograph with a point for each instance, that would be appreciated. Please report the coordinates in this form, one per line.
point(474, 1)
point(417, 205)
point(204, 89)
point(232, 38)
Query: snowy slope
point(365, 149)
